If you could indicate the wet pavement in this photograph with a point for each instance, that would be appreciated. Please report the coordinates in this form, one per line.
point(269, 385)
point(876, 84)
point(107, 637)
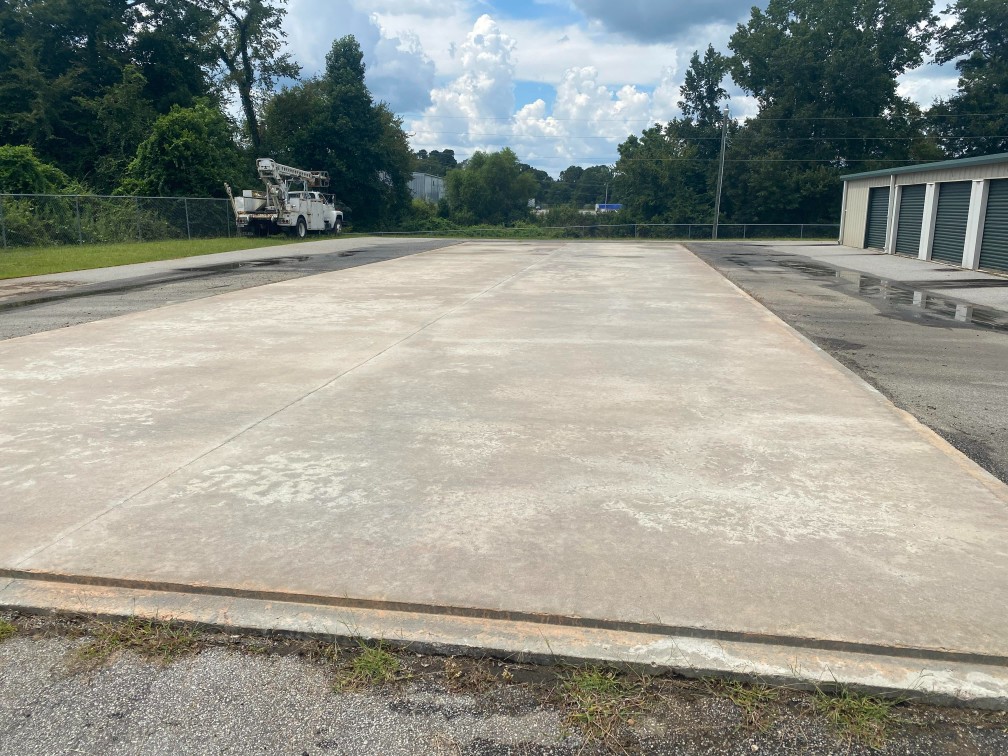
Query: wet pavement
point(42, 303)
point(916, 300)
point(577, 449)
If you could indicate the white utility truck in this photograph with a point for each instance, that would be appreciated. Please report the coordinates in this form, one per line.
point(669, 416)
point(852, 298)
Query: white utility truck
point(281, 209)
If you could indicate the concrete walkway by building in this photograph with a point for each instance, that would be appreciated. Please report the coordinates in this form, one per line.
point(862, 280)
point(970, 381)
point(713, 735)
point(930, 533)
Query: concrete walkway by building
point(594, 450)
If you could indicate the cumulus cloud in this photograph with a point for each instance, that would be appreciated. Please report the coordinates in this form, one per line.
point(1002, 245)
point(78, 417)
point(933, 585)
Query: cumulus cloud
point(588, 118)
point(662, 19)
point(398, 70)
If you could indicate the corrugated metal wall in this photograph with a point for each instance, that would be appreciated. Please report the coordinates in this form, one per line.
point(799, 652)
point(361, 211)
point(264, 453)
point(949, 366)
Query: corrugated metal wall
point(950, 223)
point(855, 220)
point(426, 187)
point(878, 213)
point(994, 247)
point(911, 220)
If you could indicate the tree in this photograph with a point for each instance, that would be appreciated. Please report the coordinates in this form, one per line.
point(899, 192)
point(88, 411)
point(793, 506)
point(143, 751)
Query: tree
point(332, 123)
point(21, 172)
point(435, 162)
point(668, 175)
point(190, 151)
point(702, 93)
point(247, 39)
point(974, 120)
point(490, 188)
point(824, 74)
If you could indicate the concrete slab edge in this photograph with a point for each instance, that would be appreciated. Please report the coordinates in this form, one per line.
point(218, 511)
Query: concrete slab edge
point(984, 477)
point(941, 682)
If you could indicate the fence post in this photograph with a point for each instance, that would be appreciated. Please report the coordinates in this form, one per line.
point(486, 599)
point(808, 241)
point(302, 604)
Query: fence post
point(80, 235)
point(227, 218)
point(801, 234)
point(689, 231)
point(3, 222)
point(136, 206)
point(185, 202)
point(745, 231)
point(634, 230)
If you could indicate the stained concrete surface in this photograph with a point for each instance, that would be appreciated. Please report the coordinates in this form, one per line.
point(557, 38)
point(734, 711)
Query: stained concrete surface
point(905, 336)
point(58, 300)
point(600, 431)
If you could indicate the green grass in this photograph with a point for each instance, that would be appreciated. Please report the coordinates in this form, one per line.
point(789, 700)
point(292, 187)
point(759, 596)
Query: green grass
point(600, 703)
point(35, 261)
point(855, 716)
point(372, 665)
point(151, 639)
point(7, 630)
point(754, 699)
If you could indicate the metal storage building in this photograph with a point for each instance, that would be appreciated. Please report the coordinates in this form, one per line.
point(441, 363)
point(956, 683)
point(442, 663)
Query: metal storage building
point(955, 211)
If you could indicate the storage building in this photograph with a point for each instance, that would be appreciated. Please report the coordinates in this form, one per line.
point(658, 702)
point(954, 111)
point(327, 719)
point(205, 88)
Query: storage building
point(955, 211)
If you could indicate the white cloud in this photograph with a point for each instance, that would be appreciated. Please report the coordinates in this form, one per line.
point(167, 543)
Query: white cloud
point(398, 71)
point(476, 110)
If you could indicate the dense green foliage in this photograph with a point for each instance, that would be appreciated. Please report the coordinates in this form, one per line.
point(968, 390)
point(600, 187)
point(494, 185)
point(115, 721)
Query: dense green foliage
point(131, 96)
point(490, 188)
point(975, 120)
point(190, 151)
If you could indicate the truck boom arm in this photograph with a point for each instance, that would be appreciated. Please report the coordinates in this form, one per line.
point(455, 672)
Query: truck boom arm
point(270, 171)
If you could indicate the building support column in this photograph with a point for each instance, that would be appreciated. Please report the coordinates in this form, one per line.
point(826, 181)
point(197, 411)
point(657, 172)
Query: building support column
point(975, 224)
point(928, 222)
point(843, 214)
point(890, 234)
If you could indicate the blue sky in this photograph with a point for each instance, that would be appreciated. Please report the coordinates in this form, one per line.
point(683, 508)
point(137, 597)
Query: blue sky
point(562, 82)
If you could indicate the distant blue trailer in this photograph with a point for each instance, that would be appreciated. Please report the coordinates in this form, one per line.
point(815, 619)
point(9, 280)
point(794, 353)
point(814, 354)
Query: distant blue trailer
point(608, 208)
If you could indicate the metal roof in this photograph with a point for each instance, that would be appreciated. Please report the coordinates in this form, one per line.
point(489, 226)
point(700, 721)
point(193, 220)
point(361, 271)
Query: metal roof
point(961, 163)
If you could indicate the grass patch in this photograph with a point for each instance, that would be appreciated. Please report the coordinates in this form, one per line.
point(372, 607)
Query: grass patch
point(372, 664)
point(35, 261)
point(152, 639)
point(855, 716)
point(600, 703)
point(755, 700)
point(7, 630)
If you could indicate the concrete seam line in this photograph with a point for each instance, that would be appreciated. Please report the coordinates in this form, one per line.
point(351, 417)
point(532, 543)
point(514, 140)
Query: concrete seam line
point(73, 529)
point(503, 615)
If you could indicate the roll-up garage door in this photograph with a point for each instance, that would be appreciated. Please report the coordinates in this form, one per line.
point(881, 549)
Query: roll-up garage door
point(994, 247)
point(878, 215)
point(950, 223)
point(911, 217)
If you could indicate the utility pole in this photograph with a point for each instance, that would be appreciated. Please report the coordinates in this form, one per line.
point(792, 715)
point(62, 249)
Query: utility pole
point(720, 176)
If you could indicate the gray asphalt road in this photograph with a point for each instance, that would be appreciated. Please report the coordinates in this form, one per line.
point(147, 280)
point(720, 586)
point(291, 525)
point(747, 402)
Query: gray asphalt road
point(950, 373)
point(53, 305)
point(227, 701)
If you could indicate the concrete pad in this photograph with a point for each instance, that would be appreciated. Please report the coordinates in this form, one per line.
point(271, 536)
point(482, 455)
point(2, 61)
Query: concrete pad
point(610, 434)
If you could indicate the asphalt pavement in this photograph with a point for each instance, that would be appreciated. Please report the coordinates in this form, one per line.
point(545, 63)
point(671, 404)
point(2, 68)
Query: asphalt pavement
point(59, 300)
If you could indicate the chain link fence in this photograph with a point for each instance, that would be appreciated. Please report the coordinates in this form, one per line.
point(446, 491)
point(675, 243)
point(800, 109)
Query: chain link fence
point(677, 231)
point(43, 220)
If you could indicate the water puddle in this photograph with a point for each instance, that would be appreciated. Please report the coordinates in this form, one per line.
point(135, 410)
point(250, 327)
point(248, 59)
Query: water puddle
point(915, 298)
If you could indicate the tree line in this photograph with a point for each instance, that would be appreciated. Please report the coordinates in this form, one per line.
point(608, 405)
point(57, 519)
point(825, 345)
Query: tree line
point(132, 96)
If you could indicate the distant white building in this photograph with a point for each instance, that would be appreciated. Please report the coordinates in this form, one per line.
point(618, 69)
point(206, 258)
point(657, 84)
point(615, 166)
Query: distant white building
point(426, 187)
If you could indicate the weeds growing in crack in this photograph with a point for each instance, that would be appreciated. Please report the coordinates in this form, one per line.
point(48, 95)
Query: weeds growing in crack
point(600, 703)
point(152, 639)
point(756, 700)
point(855, 716)
point(7, 630)
point(372, 664)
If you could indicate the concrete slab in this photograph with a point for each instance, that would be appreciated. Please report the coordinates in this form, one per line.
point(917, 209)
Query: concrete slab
point(601, 434)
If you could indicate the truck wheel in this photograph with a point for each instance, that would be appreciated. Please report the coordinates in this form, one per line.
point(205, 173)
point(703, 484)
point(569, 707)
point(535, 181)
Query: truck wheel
point(302, 228)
